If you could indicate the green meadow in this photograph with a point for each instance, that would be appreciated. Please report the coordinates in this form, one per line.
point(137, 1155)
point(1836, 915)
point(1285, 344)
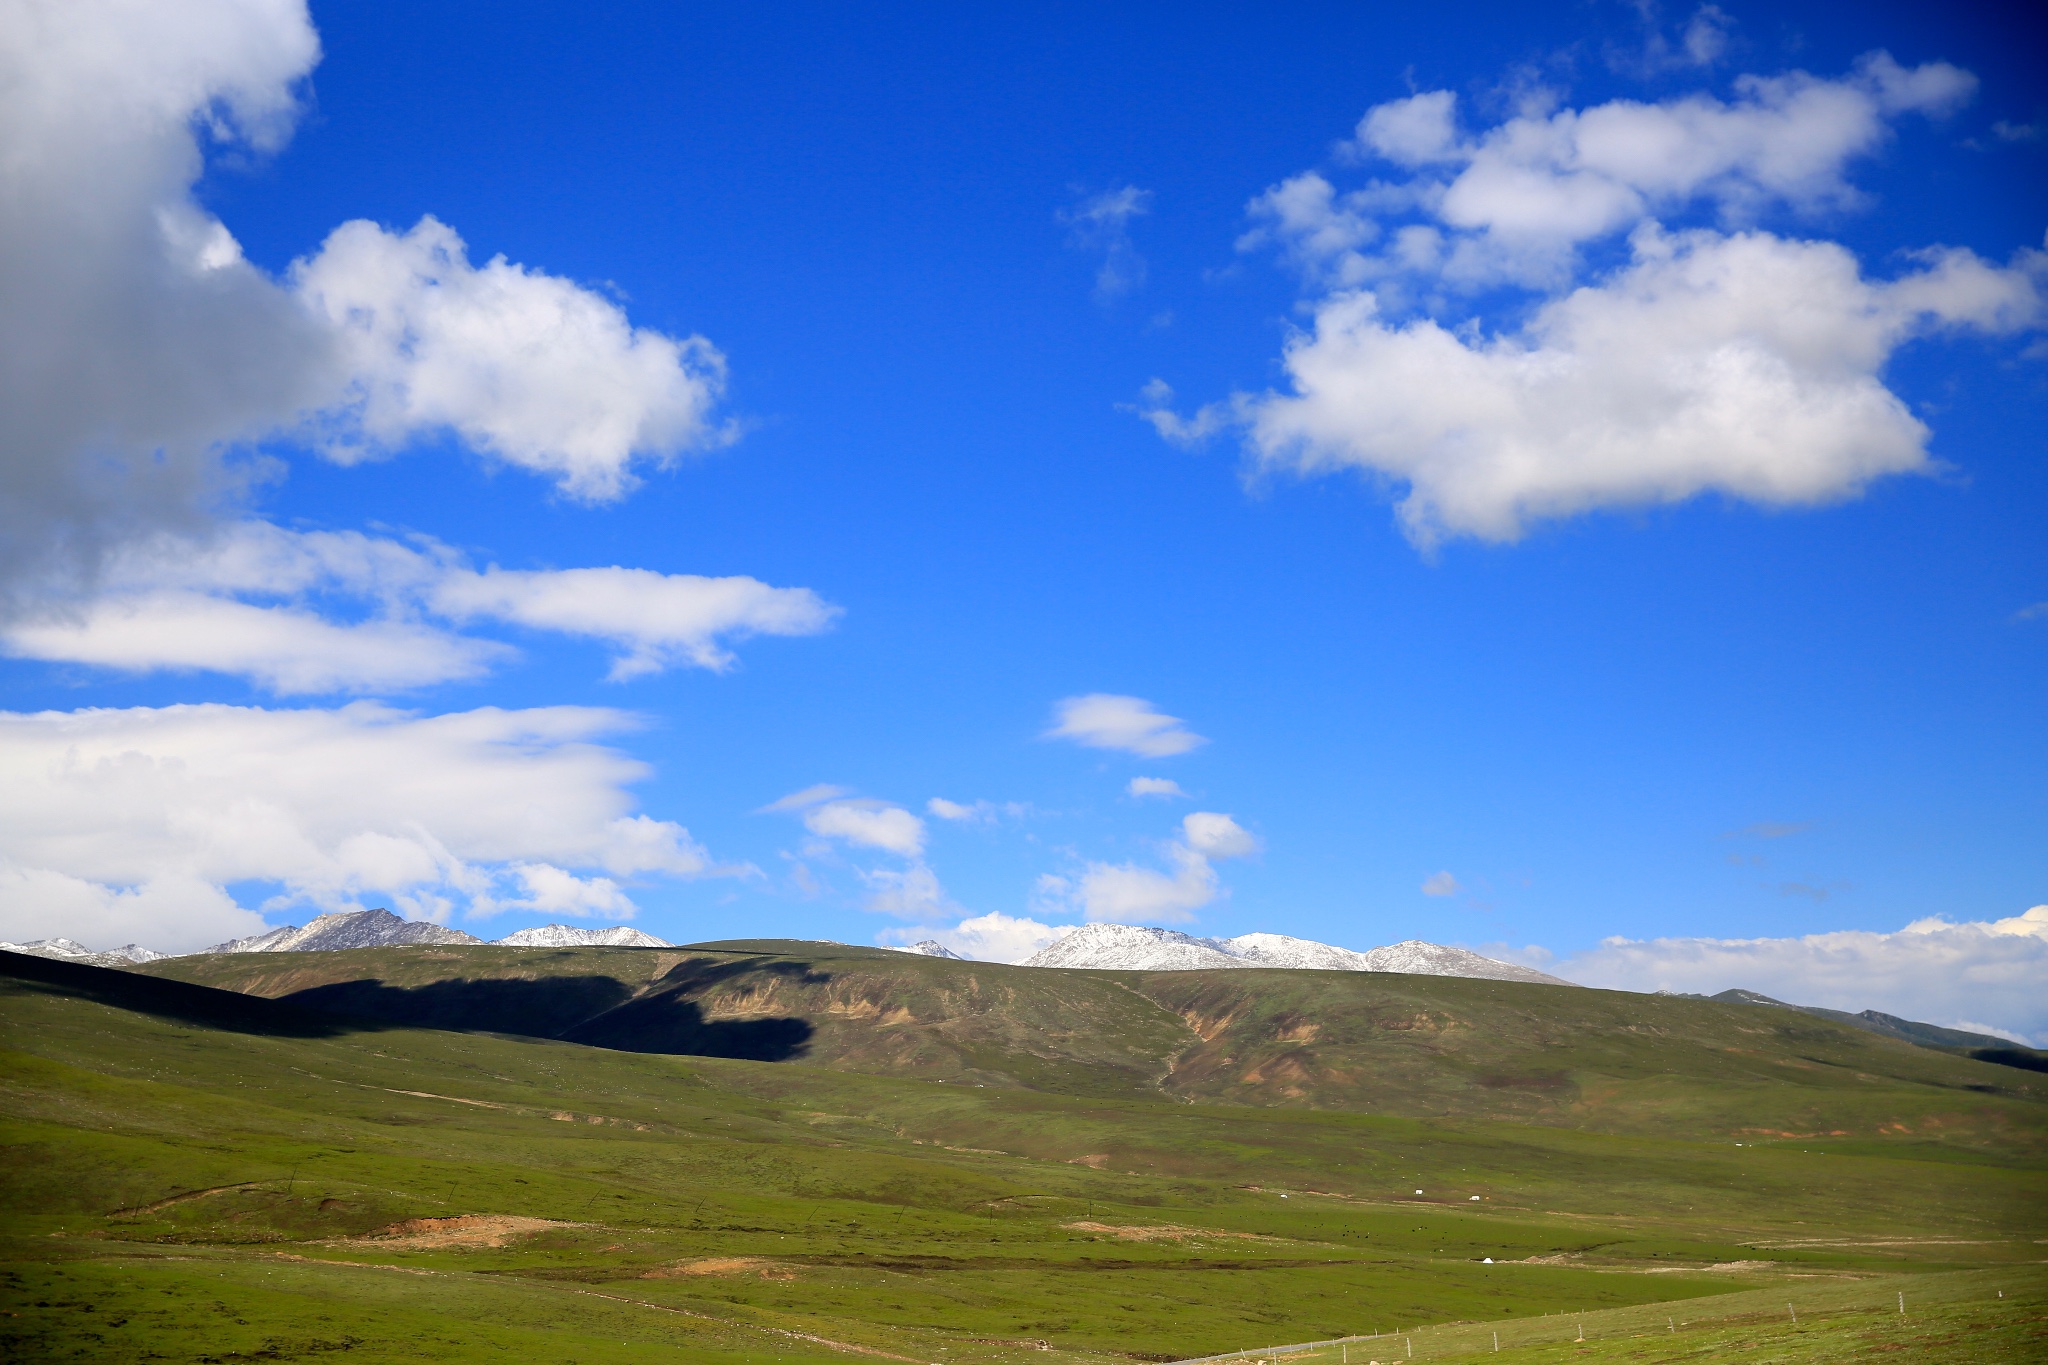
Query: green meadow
point(493, 1154)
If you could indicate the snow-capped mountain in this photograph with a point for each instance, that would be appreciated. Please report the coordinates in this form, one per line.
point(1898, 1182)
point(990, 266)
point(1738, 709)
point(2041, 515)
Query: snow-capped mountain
point(1278, 950)
point(567, 936)
point(1434, 959)
point(348, 929)
point(1131, 948)
point(931, 947)
point(64, 950)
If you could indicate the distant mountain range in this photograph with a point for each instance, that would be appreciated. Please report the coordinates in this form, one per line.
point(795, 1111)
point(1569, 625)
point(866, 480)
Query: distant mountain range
point(349, 929)
point(1102, 947)
point(1132, 948)
point(563, 936)
point(64, 950)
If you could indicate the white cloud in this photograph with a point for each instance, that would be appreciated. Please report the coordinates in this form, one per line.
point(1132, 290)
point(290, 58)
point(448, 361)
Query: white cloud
point(912, 892)
point(1685, 372)
point(1217, 836)
point(139, 350)
point(552, 891)
point(869, 823)
point(809, 796)
point(1102, 222)
point(975, 813)
point(655, 619)
point(1441, 884)
point(994, 937)
point(1154, 786)
point(529, 368)
point(154, 812)
point(1123, 893)
point(1720, 359)
point(169, 604)
point(1520, 196)
point(1103, 720)
point(167, 912)
point(1932, 970)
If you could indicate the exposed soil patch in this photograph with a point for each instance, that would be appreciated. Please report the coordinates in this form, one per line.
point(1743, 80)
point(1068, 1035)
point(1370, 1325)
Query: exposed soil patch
point(472, 1230)
point(1162, 1232)
point(725, 1267)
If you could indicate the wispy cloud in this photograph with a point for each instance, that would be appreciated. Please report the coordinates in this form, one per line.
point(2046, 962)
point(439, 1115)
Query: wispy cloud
point(1102, 223)
point(1770, 829)
point(1105, 720)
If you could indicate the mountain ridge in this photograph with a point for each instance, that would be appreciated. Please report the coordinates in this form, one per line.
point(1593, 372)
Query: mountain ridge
point(1130, 947)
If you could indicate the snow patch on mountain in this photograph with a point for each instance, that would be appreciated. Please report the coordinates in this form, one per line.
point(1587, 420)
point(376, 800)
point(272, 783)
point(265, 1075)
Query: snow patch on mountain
point(1278, 950)
point(1435, 959)
point(345, 929)
point(568, 936)
point(930, 947)
point(1133, 948)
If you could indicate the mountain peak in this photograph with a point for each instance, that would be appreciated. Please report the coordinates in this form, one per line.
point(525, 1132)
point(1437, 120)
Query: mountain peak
point(344, 929)
point(931, 947)
point(1137, 948)
point(568, 936)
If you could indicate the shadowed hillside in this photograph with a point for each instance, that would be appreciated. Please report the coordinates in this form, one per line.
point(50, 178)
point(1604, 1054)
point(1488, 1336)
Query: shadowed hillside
point(1362, 1041)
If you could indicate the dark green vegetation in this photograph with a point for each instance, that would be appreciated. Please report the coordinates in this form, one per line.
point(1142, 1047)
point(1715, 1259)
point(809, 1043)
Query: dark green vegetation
point(960, 1161)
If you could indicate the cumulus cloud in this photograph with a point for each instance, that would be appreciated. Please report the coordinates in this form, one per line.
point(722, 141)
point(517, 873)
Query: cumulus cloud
point(1154, 786)
point(834, 813)
point(256, 601)
point(994, 937)
point(139, 349)
point(1104, 720)
point(868, 823)
point(1441, 884)
point(119, 825)
point(1933, 970)
point(1643, 363)
point(1102, 223)
point(524, 366)
point(1123, 893)
point(1683, 373)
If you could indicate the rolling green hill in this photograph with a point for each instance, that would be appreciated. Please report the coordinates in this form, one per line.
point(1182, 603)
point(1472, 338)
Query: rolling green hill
point(201, 1175)
point(1416, 1046)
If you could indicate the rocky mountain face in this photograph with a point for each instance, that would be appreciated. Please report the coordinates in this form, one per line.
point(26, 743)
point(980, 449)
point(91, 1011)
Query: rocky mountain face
point(348, 929)
point(567, 936)
point(1133, 948)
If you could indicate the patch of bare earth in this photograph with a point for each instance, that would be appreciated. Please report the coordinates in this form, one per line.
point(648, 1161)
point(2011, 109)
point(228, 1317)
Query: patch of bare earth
point(725, 1267)
point(1162, 1232)
point(472, 1230)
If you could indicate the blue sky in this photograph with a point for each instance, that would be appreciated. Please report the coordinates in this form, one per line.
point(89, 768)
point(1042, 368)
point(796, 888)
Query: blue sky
point(1576, 469)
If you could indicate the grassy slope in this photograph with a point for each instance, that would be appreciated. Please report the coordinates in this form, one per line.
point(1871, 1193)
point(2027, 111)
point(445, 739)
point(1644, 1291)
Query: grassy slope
point(929, 1221)
point(1415, 1046)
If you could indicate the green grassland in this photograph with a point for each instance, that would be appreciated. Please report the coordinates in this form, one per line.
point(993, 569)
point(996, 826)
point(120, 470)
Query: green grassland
point(960, 1163)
